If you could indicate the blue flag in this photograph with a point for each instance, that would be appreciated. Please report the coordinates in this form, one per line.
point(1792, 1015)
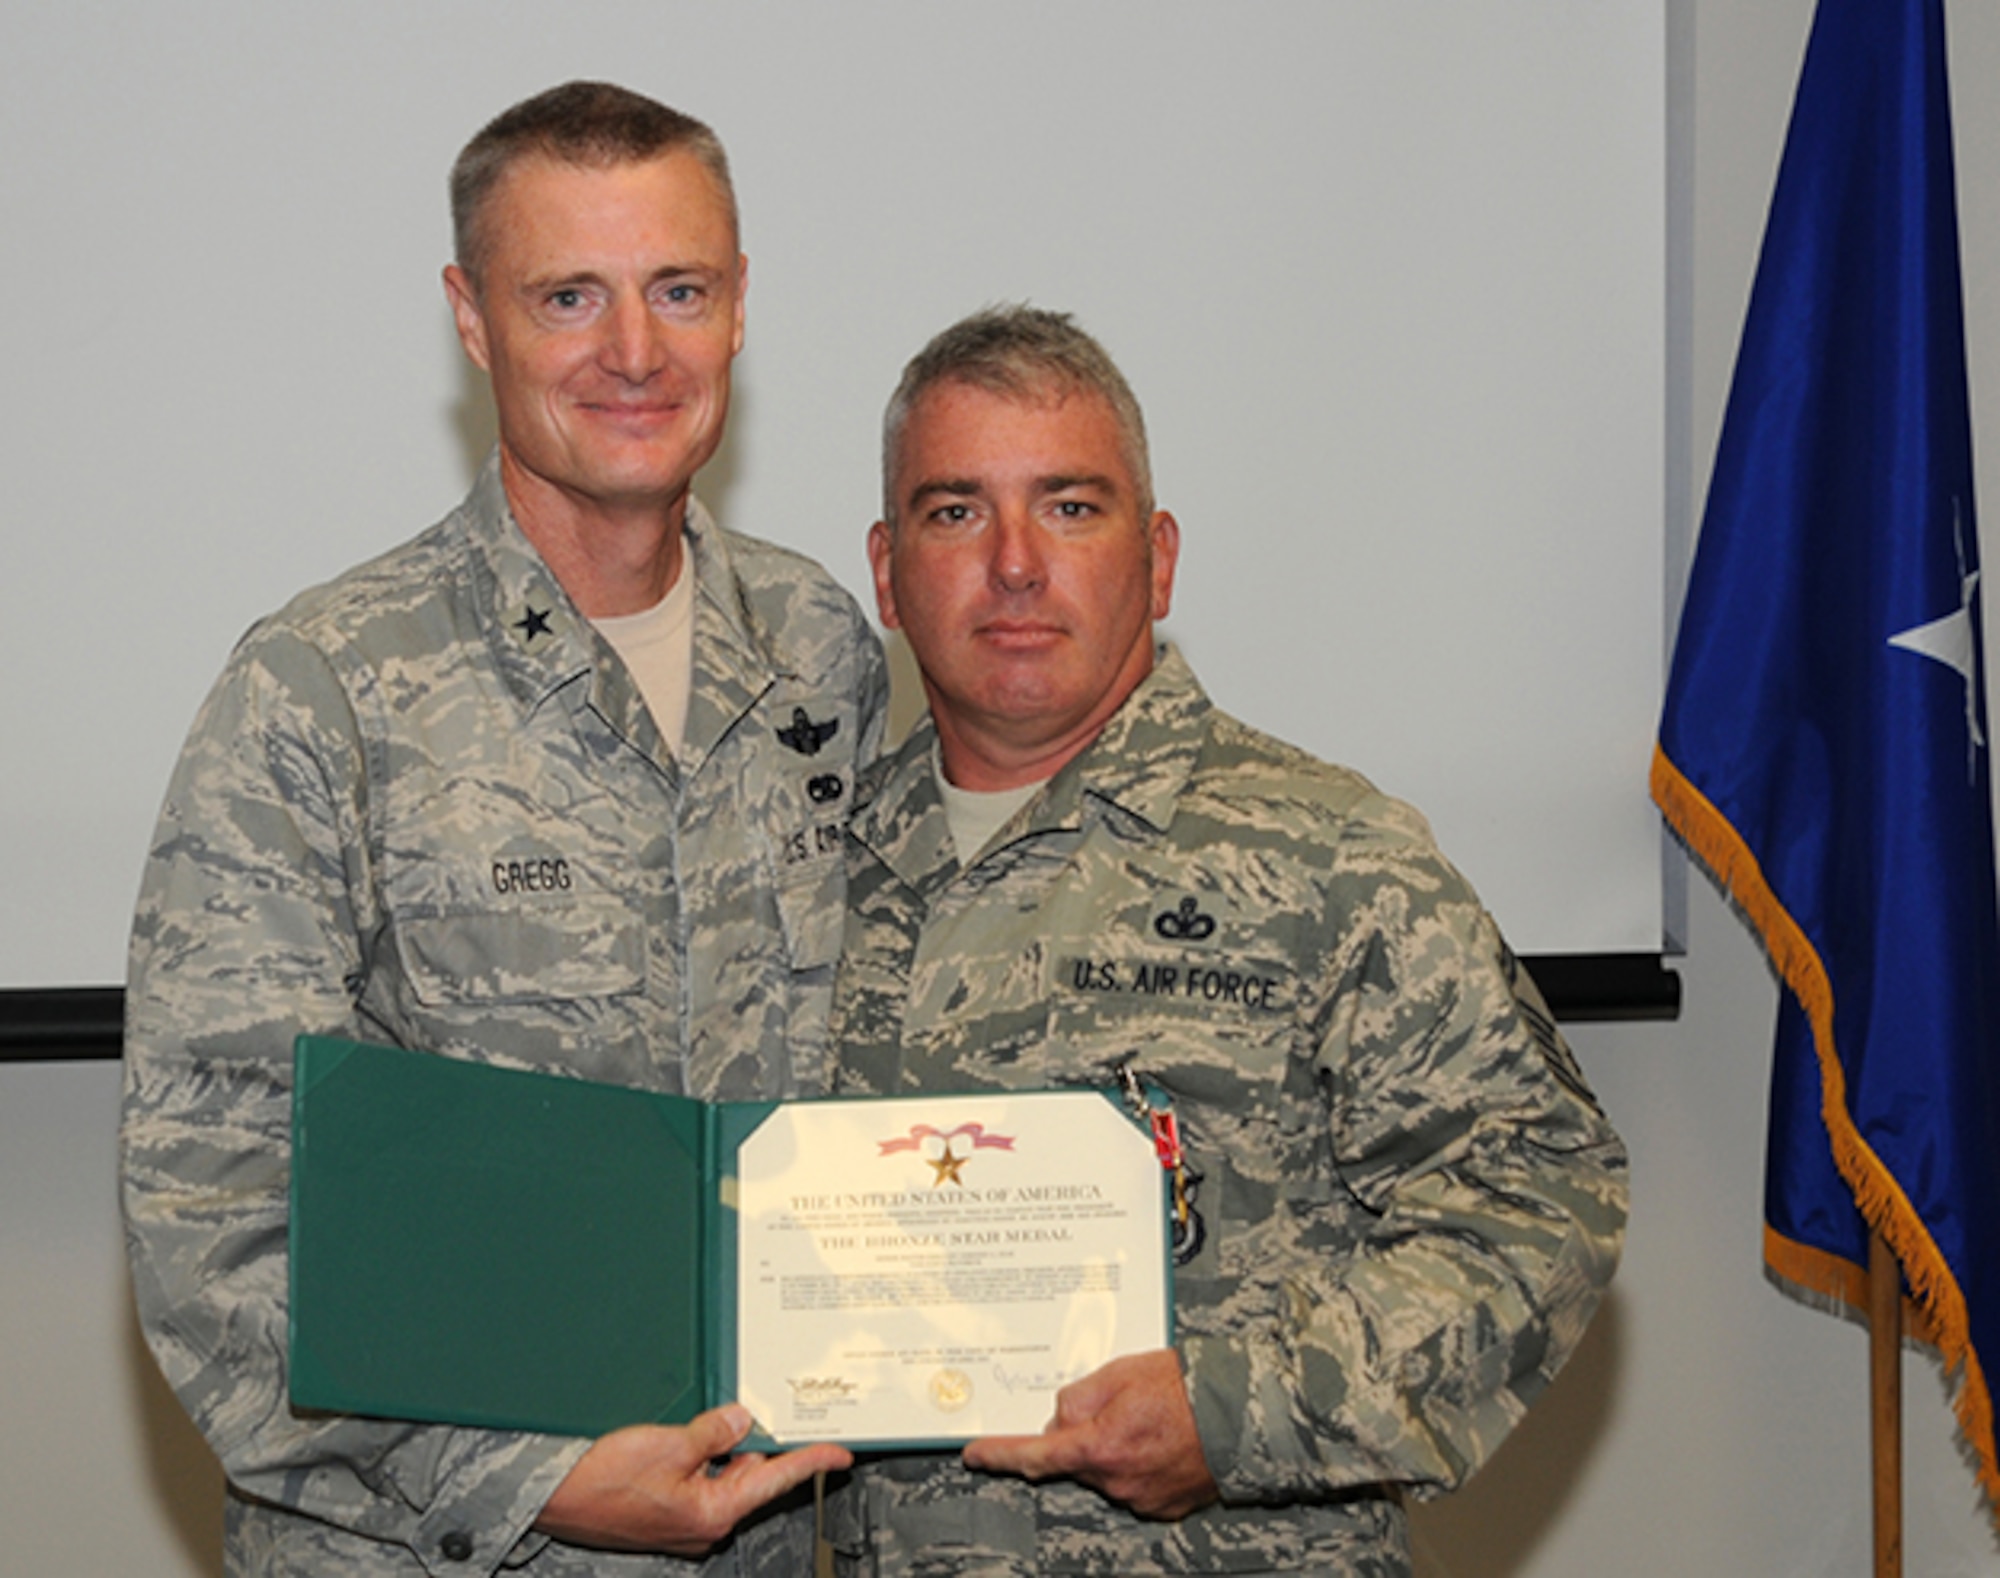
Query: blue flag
point(1823, 748)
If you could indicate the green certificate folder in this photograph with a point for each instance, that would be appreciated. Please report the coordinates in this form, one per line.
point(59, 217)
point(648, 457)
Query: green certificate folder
point(479, 1245)
point(486, 1246)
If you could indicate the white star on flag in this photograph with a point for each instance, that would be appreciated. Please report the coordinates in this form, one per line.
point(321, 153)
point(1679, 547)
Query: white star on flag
point(1948, 640)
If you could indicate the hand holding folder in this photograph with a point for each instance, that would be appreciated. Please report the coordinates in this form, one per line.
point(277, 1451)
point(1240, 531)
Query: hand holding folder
point(656, 1488)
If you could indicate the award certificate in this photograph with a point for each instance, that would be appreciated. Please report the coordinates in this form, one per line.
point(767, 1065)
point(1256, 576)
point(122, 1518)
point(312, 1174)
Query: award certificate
point(928, 1269)
point(516, 1250)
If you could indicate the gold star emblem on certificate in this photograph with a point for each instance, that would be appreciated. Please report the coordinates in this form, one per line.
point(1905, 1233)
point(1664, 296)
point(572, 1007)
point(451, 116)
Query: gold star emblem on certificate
point(947, 1166)
point(935, 1147)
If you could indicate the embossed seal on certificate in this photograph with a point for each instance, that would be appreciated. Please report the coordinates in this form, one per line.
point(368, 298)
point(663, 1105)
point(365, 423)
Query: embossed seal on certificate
point(951, 1390)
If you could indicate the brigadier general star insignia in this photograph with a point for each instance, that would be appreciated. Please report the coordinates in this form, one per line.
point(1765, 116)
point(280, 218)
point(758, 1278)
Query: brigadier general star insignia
point(805, 736)
point(536, 623)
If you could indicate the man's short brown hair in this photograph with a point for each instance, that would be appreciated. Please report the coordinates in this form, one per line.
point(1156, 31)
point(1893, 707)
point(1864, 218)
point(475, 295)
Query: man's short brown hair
point(581, 123)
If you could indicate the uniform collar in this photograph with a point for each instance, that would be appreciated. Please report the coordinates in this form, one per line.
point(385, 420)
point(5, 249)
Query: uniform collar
point(541, 642)
point(737, 659)
point(546, 648)
point(1139, 764)
point(1142, 759)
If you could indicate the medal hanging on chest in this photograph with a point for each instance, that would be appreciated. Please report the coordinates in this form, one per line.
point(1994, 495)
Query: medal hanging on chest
point(1156, 1109)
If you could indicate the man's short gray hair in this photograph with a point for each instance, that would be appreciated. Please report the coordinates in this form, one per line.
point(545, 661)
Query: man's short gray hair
point(1021, 353)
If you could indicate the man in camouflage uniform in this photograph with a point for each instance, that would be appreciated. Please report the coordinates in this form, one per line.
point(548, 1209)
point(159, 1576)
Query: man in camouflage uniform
point(1404, 1202)
point(558, 784)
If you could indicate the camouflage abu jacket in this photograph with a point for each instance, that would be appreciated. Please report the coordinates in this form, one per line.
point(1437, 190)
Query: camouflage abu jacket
point(425, 804)
point(1408, 1201)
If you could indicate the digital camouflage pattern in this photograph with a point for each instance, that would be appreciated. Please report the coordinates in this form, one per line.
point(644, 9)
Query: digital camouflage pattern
point(1408, 1201)
point(426, 805)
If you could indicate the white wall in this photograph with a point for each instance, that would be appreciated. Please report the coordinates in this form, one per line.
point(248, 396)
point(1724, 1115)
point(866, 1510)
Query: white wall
point(1388, 276)
point(1709, 1425)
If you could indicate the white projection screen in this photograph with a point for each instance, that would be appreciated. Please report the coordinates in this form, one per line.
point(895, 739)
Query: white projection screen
point(1390, 279)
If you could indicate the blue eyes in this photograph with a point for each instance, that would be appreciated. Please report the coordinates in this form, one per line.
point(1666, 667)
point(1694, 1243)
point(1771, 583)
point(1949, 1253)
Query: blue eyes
point(570, 299)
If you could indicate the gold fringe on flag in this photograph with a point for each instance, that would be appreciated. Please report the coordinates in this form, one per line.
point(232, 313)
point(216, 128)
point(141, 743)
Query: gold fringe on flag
point(1936, 1301)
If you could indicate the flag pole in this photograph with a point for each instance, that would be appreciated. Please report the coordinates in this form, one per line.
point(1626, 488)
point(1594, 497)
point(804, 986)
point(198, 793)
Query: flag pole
point(1885, 1402)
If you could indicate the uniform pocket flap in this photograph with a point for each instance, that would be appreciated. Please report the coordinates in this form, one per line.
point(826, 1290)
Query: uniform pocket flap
point(587, 947)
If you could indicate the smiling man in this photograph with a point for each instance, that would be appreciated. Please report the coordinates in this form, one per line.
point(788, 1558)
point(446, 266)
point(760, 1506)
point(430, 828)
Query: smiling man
point(1397, 1200)
point(606, 304)
point(558, 784)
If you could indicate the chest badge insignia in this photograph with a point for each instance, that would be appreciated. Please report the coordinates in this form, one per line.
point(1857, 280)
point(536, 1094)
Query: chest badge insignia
point(825, 788)
point(1186, 924)
point(806, 736)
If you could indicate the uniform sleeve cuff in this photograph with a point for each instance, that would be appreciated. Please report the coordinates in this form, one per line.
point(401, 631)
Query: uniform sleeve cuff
point(482, 1521)
point(1217, 1373)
